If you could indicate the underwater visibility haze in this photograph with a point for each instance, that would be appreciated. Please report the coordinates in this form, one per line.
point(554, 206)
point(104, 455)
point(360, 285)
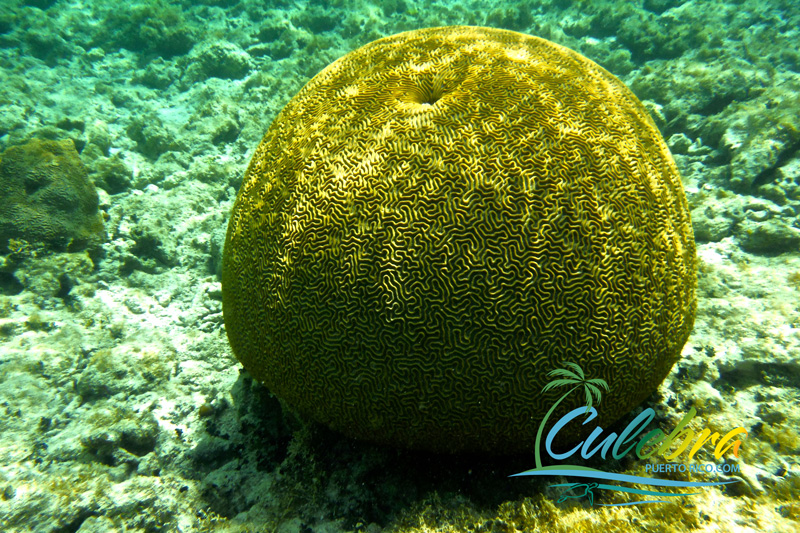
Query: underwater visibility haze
point(399, 266)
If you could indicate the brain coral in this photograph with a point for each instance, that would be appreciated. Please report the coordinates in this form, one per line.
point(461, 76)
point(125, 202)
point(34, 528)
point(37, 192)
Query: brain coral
point(46, 197)
point(440, 218)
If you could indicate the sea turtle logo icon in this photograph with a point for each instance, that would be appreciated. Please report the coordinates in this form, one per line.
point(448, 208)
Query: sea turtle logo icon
point(587, 491)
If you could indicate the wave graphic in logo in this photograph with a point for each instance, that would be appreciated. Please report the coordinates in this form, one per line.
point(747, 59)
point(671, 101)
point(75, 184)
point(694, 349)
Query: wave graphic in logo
point(591, 473)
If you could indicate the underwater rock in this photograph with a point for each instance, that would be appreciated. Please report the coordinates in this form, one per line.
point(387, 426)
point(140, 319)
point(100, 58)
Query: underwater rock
point(774, 235)
point(46, 197)
point(442, 217)
point(648, 36)
point(152, 137)
point(97, 524)
point(679, 143)
point(47, 46)
point(159, 74)
point(760, 134)
point(106, 372)
point(97, 136)
point(692, 90)
point(153, 28)
point(317, 21)
point(711, 225)
point(60, 275)
point(785, 184)
point(112, 174)
point(270, 31)
point(222, 60)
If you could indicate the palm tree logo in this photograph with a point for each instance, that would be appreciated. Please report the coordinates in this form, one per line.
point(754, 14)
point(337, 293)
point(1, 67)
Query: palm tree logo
point(576, 378)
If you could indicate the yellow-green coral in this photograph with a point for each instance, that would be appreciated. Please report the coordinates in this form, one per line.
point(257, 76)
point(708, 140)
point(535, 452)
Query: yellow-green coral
point(439, 219)
point(47, 199)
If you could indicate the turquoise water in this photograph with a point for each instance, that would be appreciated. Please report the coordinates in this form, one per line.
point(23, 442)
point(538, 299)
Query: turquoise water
point(123, 407)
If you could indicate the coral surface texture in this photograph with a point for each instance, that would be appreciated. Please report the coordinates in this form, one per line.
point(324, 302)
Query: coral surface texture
point(441, 218)
point(47, 198)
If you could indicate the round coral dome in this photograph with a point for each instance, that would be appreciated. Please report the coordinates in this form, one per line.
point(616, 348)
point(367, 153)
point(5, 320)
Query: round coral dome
point(442, 217)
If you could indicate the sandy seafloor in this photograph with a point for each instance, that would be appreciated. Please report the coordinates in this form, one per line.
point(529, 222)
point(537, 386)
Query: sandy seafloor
point(121, 405)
